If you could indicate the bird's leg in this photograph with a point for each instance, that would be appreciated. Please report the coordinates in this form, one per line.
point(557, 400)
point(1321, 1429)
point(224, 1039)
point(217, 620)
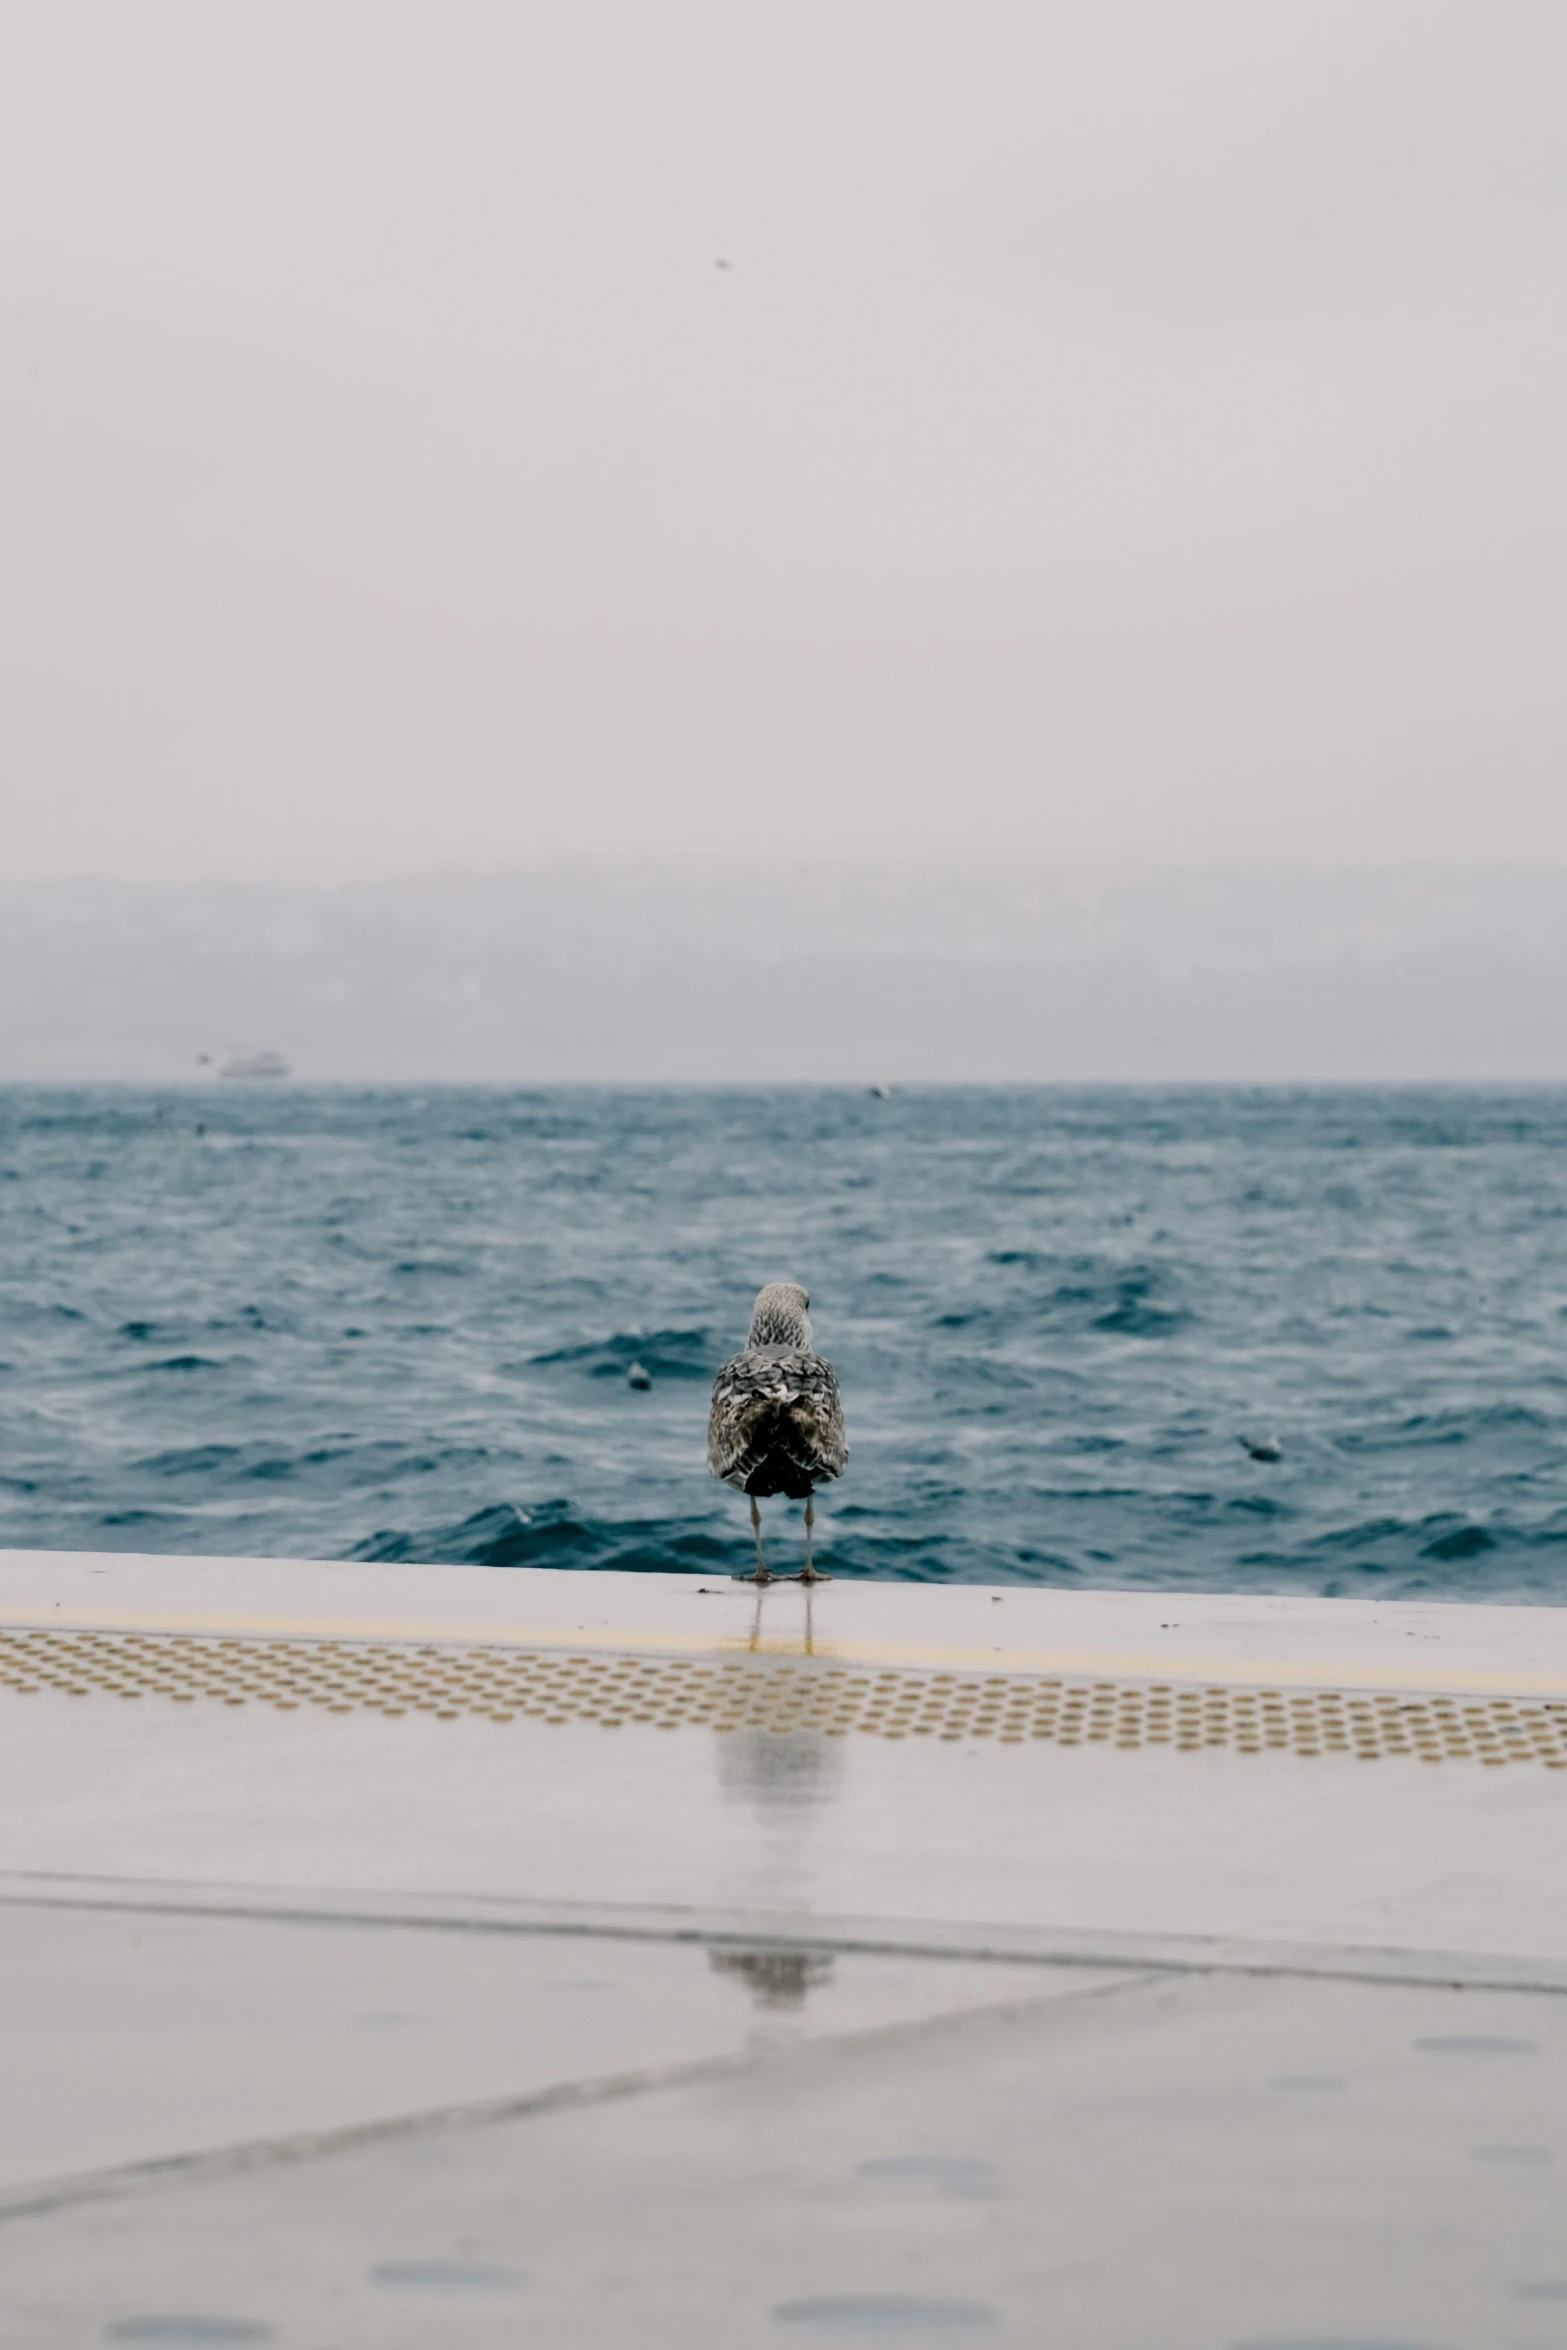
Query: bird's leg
point(762, 1574)
point(810, 1575)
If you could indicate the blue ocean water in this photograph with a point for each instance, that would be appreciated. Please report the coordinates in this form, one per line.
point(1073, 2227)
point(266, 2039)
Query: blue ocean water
point(396, 1323)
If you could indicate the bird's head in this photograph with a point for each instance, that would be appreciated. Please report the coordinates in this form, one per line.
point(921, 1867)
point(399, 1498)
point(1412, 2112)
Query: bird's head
point(779, 1316)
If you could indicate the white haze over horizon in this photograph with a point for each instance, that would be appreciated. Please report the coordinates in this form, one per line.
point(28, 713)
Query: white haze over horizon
point(1120, 431)
point(661, 974)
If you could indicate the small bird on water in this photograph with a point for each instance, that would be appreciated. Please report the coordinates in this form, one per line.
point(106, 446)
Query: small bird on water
point(777, 1422)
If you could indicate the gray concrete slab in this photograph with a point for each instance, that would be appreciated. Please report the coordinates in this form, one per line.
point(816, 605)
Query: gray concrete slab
point(369, 2027)
point(1326, 1851)
point(1195, 2163)
point(140, 2036)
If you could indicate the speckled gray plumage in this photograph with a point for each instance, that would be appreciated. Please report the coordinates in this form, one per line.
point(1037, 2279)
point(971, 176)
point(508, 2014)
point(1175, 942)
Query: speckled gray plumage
point(777, 1420)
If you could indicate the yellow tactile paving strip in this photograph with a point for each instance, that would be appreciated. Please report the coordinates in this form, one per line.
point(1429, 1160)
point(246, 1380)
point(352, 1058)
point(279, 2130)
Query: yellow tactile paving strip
point(769, 1692)
point(1344, 1673)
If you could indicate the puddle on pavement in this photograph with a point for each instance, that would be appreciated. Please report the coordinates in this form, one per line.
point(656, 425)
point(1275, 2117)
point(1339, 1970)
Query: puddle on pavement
point(1473, 2044)
point(191, 2329)
point(448, 2276)
point(949, 2174)
point(885, 2314)
point(1332, 2342)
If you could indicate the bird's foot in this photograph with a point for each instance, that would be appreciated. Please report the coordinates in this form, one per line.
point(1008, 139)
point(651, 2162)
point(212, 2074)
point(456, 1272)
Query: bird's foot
point(808, 1575)
point(759, 1575)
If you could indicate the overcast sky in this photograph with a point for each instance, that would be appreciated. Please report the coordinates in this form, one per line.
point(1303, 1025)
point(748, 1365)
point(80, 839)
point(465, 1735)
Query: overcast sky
point(1126, 427)
point(827, 973)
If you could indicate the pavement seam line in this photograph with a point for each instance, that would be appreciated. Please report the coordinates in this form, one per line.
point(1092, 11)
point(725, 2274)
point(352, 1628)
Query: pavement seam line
point(1004, 1946)
point(123, 2181)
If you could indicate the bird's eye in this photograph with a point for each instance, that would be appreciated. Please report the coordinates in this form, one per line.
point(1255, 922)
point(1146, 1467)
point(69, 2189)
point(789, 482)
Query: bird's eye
point(807, 1305)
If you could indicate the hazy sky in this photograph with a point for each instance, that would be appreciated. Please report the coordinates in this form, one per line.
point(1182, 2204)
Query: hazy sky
point(1130, 426)
point(828, 974)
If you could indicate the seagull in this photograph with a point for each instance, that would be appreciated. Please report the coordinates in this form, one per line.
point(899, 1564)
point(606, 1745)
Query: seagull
point(777, 1422)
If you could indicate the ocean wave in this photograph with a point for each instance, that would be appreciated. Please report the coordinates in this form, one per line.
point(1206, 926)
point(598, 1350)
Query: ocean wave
point(1418, 1431)
point(552, 1536)
point(1134, 1299)
point(326, 1327)
point(192, 1460)
point(666, 1354)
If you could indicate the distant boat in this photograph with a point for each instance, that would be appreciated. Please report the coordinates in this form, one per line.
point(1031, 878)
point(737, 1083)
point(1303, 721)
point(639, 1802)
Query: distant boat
point(255, 1065)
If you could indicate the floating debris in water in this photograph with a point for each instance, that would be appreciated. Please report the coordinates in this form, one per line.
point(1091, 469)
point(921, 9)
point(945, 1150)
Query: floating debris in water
point(1263, 1448)
point(636, 1376)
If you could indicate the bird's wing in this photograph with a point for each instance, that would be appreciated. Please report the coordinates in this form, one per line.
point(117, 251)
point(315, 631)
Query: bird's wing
point(771, 1400)
point(746, 1394)
point(816, 1418)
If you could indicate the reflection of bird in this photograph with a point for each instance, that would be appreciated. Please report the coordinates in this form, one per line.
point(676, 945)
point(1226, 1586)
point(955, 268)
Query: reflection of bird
point(775, 1978)
point(777, 1423)
point(1263, 1448)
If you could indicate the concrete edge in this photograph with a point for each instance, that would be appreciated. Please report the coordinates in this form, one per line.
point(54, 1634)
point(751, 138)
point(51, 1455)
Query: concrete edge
point(782, 1930)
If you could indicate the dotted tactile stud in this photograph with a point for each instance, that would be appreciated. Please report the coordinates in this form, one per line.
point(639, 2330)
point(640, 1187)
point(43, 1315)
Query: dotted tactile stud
point(782, 1694)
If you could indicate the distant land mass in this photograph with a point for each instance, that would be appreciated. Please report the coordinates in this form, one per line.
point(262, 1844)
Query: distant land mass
point(656, 974)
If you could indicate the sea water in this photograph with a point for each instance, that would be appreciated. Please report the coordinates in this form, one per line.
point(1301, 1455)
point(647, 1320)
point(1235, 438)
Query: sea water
point(398, 1324)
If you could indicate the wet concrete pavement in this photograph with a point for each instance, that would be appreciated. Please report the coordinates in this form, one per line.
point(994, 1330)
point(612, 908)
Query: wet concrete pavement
point(386, 2027)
